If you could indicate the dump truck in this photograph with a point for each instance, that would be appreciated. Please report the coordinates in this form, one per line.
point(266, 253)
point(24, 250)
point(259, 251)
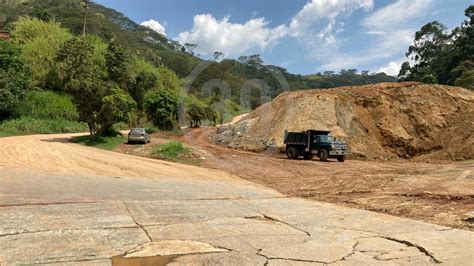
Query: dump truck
point(308, 143)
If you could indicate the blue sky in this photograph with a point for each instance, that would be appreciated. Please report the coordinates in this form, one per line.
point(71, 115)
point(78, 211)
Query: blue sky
point(304, 36)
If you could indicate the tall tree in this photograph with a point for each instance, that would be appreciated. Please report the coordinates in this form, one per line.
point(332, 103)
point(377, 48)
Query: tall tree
point(100, 102)
point(218, 56)
point(14, 77)
point(440, 56)
point(117, 62)
point(40, 42)
point(85, 4)
point(162, 108)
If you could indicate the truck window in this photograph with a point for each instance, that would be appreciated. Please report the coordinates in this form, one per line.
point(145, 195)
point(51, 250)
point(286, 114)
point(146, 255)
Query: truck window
point(325, 138)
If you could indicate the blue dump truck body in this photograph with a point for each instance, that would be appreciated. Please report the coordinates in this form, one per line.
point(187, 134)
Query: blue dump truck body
point(308, 143)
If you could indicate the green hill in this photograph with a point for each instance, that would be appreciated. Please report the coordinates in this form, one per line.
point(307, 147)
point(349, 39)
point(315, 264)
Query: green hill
point(154, 47)
point(104, 22)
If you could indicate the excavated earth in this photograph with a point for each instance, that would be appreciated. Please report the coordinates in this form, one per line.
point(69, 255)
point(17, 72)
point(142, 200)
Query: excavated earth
point(379, 122)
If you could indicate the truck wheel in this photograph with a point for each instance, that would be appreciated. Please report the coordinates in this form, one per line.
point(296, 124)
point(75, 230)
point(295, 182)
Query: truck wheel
point(341, 158)
point(292, 153)
point(323, 155)
point(308, 156)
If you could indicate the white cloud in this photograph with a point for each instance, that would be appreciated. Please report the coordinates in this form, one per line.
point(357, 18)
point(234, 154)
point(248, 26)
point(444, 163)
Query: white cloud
point(232, 39)
point(396, 15)
point(318, 11)
point(318, 24)
point(317, 27)
point(154, 25)
point(391, 31)
point(314, 25)
point(392, 69)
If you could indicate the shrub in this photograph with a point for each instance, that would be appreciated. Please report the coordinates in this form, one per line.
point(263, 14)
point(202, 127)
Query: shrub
point(196, 110)
point(46, 105)
point(14, 78)
point(162, 108)
point(29, 125)
point(170, 150)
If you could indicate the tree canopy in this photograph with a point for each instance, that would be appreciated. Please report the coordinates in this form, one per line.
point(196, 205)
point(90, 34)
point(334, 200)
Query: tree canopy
point(441, 56)
point(14, 78)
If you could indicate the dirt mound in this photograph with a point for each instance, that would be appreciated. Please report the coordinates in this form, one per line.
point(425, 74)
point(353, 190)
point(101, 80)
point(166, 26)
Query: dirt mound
point(381, 121)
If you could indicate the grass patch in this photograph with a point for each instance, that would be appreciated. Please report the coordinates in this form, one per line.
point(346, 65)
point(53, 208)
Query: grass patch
point(29, 125)
point(171, 150)
point(106, 143)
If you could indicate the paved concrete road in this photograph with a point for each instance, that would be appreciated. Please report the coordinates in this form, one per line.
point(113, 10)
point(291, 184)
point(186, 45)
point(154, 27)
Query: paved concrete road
point(62, 203)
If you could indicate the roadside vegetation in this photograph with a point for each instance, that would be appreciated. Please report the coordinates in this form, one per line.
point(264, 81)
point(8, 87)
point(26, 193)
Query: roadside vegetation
point(173, 151)
point(170, 151)
point(442, 56)
point(29, 125)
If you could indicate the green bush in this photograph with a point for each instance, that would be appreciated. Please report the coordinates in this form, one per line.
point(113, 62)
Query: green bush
point(46, 105)
point(162, 108)
point(29, 125)
point(170, 150)
point(14, 78)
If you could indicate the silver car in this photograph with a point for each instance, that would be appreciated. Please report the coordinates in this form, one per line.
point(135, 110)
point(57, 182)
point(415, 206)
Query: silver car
point(138, 135)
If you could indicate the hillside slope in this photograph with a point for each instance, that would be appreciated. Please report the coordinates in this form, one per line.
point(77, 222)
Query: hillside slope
point(104, 22)
point(382, 121)
point(159, 49)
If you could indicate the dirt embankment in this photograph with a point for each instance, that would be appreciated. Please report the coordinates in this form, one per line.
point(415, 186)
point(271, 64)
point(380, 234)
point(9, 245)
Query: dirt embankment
point(381, 121)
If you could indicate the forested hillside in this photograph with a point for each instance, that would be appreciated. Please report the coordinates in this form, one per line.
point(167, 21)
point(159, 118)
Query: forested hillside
point(139, 40)
point(103, 22)
point(106, 70)
point(442, 56)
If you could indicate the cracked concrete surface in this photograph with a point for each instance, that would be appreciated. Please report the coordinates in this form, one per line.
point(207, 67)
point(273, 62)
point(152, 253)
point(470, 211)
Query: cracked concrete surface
point(83, 219)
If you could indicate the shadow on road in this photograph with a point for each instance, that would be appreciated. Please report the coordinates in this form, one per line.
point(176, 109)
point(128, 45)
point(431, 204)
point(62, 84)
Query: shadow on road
point(59, 140)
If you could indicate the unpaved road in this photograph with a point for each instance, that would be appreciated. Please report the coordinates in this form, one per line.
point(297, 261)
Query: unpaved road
point(62, 203)
point(441, 192)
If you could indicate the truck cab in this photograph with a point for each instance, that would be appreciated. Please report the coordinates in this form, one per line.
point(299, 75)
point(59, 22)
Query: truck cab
point(314, 142)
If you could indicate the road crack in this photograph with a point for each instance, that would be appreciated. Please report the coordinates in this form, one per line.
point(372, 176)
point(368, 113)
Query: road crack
point(68, 229)
point(138, 224)
point(266, 217)
point(47, 203)
point(410, 244)
point(268, 258)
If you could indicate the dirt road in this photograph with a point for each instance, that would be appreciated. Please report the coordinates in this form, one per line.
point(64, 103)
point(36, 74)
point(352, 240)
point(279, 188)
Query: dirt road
point(54, 154)
point(67, 204)
point(441, 193)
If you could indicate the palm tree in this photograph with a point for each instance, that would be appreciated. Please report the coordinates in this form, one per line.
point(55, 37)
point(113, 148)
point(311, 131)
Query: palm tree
point(85, 4)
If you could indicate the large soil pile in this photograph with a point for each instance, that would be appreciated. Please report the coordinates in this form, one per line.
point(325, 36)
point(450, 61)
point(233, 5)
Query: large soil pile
point(382, 121)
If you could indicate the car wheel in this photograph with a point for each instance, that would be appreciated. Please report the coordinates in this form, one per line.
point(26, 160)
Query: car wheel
point(341, 158)
point(292, 153)
point(323, 155)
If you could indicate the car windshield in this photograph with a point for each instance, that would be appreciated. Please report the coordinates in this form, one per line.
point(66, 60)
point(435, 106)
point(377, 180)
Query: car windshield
point(138, 131)
point(325, 138)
